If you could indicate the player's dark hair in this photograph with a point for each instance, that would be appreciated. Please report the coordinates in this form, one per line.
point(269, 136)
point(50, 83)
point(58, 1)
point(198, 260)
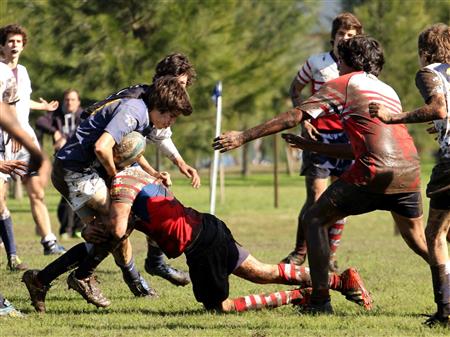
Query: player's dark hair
point(346, 21)
point(176, 64)
point(166, 94)
point(434, 44)
point(362, 52)
point(13, 29)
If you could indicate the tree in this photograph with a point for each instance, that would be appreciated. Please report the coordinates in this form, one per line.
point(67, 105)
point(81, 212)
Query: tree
point(101, 46)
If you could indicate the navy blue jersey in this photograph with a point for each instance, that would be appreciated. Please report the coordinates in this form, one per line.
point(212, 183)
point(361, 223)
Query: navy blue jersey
point(118, 118)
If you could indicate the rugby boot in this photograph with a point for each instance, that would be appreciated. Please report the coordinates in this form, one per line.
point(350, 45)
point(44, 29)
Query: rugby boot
point(7, 310)
point(88, 289)
point(294, 257)
point(16, 264)
point(352, 287)
point(438, 320)
point(37, 290)
point(166, 271)
point(53, 248)
point(139, 287)
point(304, 300)
point(316, 309)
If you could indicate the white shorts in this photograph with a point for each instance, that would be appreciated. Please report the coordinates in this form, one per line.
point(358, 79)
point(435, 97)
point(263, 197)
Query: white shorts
point(83, 187)
point(22, 154)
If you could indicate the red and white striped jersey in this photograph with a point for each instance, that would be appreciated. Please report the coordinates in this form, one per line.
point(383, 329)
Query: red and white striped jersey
point(386, 160)
point(317, 70)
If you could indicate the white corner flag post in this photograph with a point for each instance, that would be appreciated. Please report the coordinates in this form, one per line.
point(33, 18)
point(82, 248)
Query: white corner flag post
point(217, 96)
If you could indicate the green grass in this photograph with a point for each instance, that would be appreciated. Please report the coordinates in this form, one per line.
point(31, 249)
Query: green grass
point(399, 280)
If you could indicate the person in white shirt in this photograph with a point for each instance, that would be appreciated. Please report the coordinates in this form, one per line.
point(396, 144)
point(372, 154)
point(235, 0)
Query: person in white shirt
point(13, 39)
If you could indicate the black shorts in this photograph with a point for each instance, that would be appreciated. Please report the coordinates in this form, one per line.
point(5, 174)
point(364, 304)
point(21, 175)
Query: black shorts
point(438, 188)
point(211, 259)
point(353, 200)
point(320, 166)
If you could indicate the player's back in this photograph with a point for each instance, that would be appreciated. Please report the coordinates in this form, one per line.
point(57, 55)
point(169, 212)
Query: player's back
point(385, 152)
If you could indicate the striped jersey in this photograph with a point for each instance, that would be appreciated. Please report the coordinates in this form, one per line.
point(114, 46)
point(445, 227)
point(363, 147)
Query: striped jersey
point(317, 70)
point(386, 159)
point(431, 80)
point(161, 215)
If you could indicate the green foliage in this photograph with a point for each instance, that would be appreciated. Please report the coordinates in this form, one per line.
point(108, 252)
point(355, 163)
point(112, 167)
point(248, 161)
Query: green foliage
point(101, 46)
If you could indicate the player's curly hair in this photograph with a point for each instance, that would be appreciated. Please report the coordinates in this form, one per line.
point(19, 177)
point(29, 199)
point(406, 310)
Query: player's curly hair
point(14, 29)
point(175, 64)
point(166, 94)
point(346, 21)
point(362, 52)
point(434, 44)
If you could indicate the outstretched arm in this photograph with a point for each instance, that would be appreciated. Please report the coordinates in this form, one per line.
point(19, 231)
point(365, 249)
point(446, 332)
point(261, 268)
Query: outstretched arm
point(434, 109)
point(343, 151)
point(234, 139)
point(9, 123)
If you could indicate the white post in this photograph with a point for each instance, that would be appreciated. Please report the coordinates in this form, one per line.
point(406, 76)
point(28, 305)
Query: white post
point(213, 183)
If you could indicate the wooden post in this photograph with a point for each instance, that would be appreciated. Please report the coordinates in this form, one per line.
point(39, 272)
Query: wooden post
point(275, 170)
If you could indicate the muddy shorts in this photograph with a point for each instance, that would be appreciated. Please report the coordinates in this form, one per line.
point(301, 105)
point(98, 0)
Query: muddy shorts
point(353, 200)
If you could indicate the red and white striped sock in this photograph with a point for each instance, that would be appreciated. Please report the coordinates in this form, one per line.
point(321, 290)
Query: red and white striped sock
point(335, 234)
point(272, 300)
point(293, 274)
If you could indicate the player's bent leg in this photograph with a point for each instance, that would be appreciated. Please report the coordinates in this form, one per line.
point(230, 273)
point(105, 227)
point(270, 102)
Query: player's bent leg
point(156, 266)
point(41, 216)
point(298, 297)
point(314, 189)
point(123, 256)
point(320, 216)
point(436, 231)
point(412, 231)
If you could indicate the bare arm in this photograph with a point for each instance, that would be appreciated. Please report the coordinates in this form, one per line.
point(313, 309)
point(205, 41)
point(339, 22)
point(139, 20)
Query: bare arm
point(104, 151)
point(234, 139)
point(163, 176)
point(187, 170)
point(10, 124)
point(295, 91)
point(434, 109)
point(343, 151)
point(44, 105)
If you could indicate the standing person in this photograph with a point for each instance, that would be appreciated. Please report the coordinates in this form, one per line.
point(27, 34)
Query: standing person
point(211, 251)
point(317, 168)
point(385, 174)
point(61, 125)
point(13, 39)
point(433, 82)
point(10, 124)
point(8, 94)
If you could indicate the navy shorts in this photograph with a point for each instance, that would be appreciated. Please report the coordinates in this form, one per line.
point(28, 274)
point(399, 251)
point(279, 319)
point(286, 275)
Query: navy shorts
point(321, 166)
point(351, 199)
point(211, 259)
point(438, 188)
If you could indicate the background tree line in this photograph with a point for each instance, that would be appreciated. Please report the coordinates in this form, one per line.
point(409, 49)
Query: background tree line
point(254, 47)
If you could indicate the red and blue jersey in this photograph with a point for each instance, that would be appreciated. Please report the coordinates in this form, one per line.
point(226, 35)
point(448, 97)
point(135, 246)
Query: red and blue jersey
point(161, 215)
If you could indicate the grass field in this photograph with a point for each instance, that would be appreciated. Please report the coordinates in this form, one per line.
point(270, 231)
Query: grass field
point(399, 280)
